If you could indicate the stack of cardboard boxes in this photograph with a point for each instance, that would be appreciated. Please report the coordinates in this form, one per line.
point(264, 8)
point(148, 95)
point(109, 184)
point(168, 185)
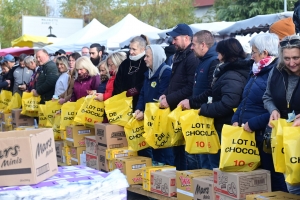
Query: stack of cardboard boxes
point(15, 121)
point(111, 144)
point(72, 148)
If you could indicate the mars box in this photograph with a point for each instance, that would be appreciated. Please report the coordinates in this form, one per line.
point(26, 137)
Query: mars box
point(27, 157)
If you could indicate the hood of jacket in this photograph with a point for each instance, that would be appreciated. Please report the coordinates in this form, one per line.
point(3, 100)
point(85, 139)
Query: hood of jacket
point(158, 57)
point(211, 52)
point(241, 66)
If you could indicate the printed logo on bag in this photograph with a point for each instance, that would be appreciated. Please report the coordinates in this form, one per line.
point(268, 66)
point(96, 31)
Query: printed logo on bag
point(114, 117)
point(202, 190)
point(185, 181)
point(273, 150)
point(176, 124)
point(5, 102)
point(162, 138)
point(295, 160)
point(150, 124)
point(202, 132)
point(70, 116)
point(92, 112)
point(31, 104)
point(45, 147)
point(242, 150)
point(139, 131)
point(10, 151)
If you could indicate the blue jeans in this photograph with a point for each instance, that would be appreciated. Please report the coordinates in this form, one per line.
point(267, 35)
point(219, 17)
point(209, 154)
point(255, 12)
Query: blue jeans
point(293, 189)
point(146, 152)
point(180, 160)
point(197, 161)
point(164, 155)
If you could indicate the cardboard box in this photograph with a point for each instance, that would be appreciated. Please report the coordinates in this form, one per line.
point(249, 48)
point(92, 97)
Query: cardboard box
point(92, 161)
point(91, 145)
point(272, 196)
point(67, 160)
point(27, 157)
point(102, 162)
point(59, 145)
point(119, 153)
point(222, 197)
point(239, 184)
point(203, 188)
point(146, 185)
point(6, 118)
point(132, 167)
point(164, 183)
point(111, 164)
point(20, 120)
point(63, 134)
point(75, 135)
point(5, 127)
point(66, 151)
point(146, 171)
point(110, 136)
point(184, 182)
point(75, 154)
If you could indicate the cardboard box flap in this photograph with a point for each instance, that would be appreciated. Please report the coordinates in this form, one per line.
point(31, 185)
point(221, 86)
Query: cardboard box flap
point(24, 133)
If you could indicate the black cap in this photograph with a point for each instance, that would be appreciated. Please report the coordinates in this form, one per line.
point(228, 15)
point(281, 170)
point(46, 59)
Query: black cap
point(181, 29)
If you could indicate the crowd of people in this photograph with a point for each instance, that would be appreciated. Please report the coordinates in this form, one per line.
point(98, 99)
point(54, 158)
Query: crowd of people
point(213, 77)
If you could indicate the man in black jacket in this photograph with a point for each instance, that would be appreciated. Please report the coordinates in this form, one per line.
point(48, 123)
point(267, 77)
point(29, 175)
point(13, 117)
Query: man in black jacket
point(47, 77)
point(182, 78)
point(204, 47)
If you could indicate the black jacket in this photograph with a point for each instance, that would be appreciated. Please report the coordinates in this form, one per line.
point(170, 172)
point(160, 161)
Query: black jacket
point(130, 77)
point(182, 78)
point(227, 89)
point(46, 80)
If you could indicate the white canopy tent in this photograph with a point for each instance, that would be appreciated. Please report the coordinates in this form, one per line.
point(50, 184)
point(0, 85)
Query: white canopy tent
point(254, 25)
point(74, 41)
point(213, 27)
point(120, 33)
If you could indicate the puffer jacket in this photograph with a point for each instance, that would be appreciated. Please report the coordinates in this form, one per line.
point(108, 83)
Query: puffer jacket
point(226, 92)
point(182, 78)
point(251, 109)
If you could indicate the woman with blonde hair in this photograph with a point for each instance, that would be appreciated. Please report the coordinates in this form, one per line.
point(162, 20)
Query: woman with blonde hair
point(66, 96)
point(113, 62)
point(88, 78)
point(62, 82)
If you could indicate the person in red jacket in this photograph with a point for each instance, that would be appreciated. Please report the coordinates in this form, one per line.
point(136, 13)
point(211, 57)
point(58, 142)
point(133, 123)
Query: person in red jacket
point(113, 62)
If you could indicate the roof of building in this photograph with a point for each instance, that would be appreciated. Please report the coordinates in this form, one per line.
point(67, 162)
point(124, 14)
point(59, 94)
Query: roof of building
point(202, 3)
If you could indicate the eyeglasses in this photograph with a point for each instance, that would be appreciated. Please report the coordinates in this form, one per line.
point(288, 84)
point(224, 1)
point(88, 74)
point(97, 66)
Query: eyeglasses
point(289, 42)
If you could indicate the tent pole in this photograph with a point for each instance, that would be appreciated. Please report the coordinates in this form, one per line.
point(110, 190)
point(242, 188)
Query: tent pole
point(285, 6)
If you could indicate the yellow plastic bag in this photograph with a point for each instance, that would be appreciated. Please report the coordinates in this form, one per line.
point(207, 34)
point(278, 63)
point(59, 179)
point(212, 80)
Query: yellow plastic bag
point(5, 97)
point(159, 136)
point(175, 128)
point(277, 144)
point(118, 109)
point(134, 131)
point(68, 114)
point(56, 127)
point(80, 115)
point(94, 113)
point(238, 150)
point(52, 107)
point(15, 102)
point(199, 133)
point(291, 143)
point(43, 122)
point(78, 105)
point(149, 117)
point(30, 104)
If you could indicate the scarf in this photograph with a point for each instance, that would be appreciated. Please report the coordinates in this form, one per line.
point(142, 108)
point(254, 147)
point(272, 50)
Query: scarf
point(83, 76)
point(257, 67)
point(137, 57)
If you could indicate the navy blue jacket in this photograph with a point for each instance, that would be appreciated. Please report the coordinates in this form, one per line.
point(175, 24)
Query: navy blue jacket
point(154, 87)
point(251, 109)
point(204, 71)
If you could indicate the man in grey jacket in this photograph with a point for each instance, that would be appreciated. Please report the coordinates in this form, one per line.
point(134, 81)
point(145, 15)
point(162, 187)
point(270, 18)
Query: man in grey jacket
point(21, 76)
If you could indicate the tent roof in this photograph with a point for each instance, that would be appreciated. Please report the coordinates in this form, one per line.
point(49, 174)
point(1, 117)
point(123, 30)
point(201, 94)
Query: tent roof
point(29, 40)
point(254, 25)
point(128, 27)
point(70, 43)
point(15, 51)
